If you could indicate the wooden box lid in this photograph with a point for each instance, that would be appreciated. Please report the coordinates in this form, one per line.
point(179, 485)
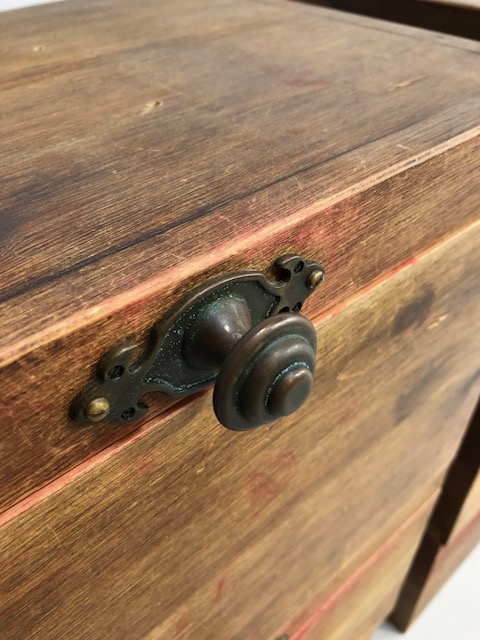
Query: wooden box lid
point(146, 151)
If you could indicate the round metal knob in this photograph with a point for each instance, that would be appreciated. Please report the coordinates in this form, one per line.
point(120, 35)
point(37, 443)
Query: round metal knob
point(268, 374)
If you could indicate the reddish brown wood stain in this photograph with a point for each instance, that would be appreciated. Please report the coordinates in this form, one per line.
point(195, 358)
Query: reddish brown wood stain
point(177, 540)
point(300, 627)
point(220, 587)
point(263, 487)
point(192, 139)
point(140, 216)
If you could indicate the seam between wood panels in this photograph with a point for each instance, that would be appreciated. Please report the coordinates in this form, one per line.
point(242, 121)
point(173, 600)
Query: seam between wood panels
point(429, 555)
point(84, 318)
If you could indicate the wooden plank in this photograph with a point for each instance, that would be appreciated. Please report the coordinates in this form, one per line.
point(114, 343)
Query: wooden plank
point(434, 564)
point(358, 608)
point(459, 501)
point(95, 161)
point(453, 530)
point(38, 440)
point(113, 205)
point(459, 18)
point(191, 529)
point(470, 508)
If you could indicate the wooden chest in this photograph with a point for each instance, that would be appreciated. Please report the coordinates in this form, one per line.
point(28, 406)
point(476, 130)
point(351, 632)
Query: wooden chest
point(148, 153)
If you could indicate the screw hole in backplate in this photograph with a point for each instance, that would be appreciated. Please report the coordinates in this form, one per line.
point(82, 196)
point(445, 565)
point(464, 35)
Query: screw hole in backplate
point(298, 267)
point(284, 310)
point(128, 414)
point(116, 372)
point(297, 307)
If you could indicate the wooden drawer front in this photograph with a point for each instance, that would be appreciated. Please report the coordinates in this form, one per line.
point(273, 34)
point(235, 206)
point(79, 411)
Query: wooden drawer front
point(159, 171)
point(190, 529)
point(359, 606)
point(434, 564)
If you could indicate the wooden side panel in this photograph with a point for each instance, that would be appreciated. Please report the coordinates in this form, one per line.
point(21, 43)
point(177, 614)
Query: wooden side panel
point(460, 500)
point(434, 564)
point(457, 504)
point(461, 18)
point(189, 530)
point(470, 508)
point(453, 531)
point(361, 604)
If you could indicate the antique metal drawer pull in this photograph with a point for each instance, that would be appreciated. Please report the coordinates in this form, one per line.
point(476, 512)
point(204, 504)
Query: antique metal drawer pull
point(240, 332)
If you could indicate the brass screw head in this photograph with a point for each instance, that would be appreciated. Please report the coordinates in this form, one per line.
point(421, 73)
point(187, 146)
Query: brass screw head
point(315, 278)
point(97, 409)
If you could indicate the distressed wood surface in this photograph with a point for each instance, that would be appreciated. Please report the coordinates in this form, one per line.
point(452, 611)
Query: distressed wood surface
point(453, 530)
point(460, 3)
point(460, 499)
point(470, 508)
point(111, 188)
point(182, 140)
point(434, 564)
point(358, 607)
point(189, 530)
point(456, 17)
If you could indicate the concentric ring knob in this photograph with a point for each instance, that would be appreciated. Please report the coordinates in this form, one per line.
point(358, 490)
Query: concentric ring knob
point(265, 372)
point(268, 374)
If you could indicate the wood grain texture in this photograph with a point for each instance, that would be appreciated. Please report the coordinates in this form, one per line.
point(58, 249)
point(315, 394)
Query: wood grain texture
point(474, 4)
point(358, 607)
point(453, 530)
point(434, 564)
point(459, 18)
point(460, 499)
point(188, 140)
point(132, 184)
point(470, 508)
point(189, 530)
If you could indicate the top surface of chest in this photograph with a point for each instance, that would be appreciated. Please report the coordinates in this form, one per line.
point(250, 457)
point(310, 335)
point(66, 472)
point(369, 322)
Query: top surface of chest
point(136, 142)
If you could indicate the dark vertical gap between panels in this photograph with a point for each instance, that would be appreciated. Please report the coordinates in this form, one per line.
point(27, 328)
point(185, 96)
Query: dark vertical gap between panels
point(458, 481)
point(454, 19)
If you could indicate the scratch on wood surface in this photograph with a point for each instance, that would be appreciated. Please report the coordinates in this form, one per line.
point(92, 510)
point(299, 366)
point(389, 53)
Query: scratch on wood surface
point(150, 106)
point(348, 376)
point(437, 322)
point(406, 83)
point(54, 533)
point(25, 438)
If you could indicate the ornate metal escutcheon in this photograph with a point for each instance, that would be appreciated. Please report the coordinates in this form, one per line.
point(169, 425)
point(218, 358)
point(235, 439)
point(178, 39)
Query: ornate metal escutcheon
point(240, 332)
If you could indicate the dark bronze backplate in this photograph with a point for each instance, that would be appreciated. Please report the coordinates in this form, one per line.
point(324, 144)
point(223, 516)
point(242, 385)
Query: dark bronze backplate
point(117, 391)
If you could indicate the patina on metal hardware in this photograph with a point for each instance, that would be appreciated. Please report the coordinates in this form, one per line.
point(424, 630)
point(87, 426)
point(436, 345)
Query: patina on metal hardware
point(240, 332)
